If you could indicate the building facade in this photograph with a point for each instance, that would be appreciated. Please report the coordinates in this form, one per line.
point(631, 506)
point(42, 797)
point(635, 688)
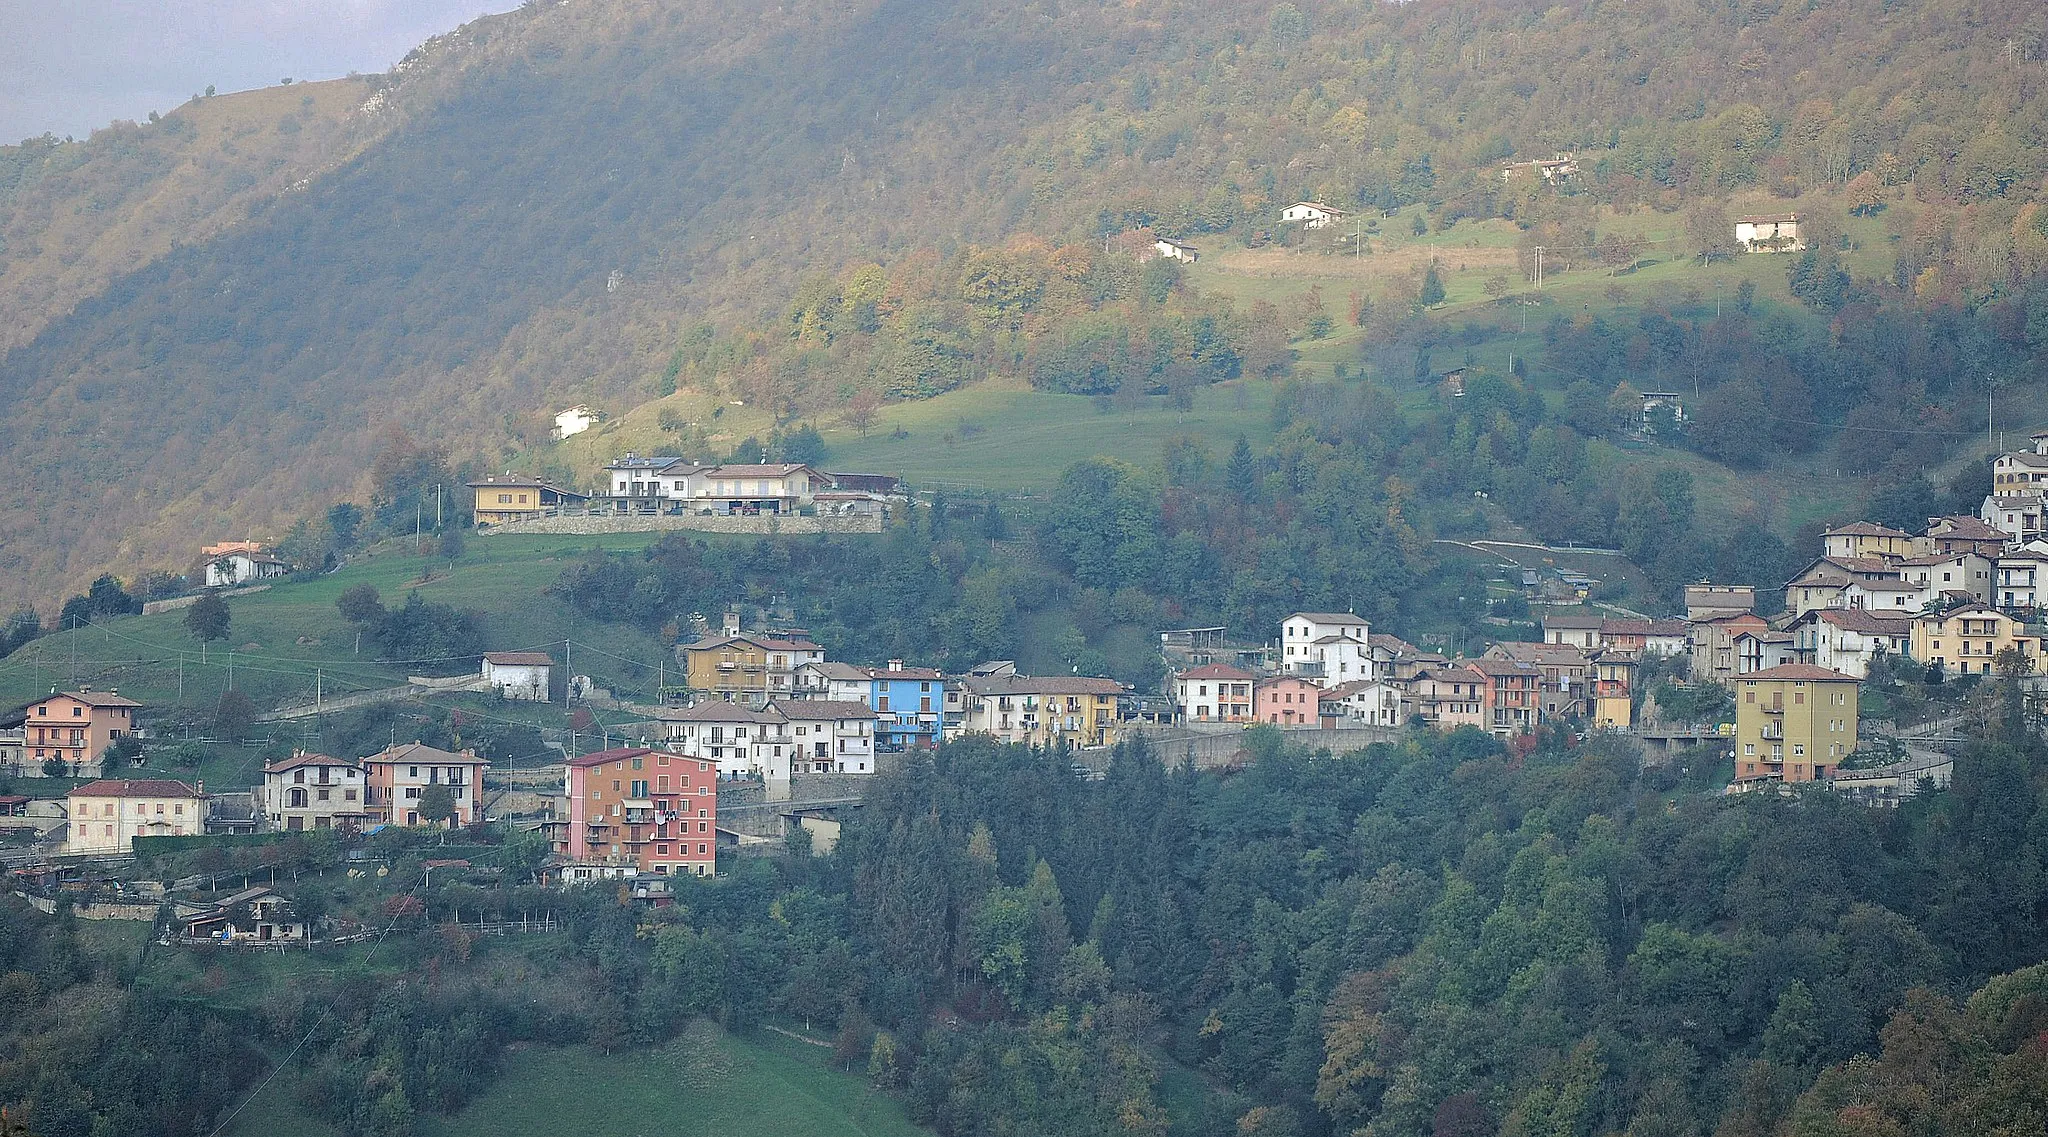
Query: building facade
point(519, 675)
point(107, 816)
point(313, 791)
point(652, 811)
point(1043, 710)
point(1969, 640)
point(1214, 692)
point(395, 779)
point(75, 728)
point(1795, 723)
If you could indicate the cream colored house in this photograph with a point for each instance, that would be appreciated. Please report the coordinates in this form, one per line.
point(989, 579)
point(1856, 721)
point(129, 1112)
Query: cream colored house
point(1313, 214)
point(108, 815)
point(313, 791)
point(1968, 640)
point(1770, 232)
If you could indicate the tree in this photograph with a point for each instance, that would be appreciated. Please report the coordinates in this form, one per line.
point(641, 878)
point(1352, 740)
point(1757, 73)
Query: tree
point(860, 411)
point(343, 519)
point(450, 543)
point(208, 619)
point(1432, 293)
point(1866, 194)
point(233, 715)
point(436, 804)
point(1497, 287)
point(360, 604)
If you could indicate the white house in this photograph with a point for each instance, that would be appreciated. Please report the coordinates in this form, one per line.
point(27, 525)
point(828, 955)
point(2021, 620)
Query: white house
point(1329, 648)
point(575, 420)
point(1582, 632)
point(108, 815)
point(1760, 649)
point(1175, 251)
point(1850, 641)
point(1889, 596)
point(1549, 169)
point(253, 915)
point(1214, 692)
point(1313, 214)
point(830, 736)
point(518, 674)
point(1952, 572)
point(2023, 577)
point(313, 791)
point(241, 567)
point(1363, 702)
point(1771, 232)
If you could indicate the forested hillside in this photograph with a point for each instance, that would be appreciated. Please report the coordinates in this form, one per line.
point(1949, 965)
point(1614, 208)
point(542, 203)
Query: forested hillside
point(1442, 936)
point(583, 201)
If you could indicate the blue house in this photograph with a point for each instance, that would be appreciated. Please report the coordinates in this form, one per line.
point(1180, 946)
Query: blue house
point(909, 704)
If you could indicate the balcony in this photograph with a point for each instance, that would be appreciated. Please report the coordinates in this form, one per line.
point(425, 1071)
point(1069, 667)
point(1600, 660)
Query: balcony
point(1772, 708)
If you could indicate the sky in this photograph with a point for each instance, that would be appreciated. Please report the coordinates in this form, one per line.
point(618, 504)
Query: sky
point(70, 66)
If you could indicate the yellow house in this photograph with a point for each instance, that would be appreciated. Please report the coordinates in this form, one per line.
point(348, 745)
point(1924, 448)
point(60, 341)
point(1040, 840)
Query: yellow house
point(1044, 710)
point(510, 497)
point(747, 668)
point(1612, 689)
point(1967, 640)
point(1793, 723)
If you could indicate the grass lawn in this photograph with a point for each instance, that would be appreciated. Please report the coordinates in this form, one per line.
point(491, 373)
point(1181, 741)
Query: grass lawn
point(286, 640)
point(1003, 437)
point(763, 1085)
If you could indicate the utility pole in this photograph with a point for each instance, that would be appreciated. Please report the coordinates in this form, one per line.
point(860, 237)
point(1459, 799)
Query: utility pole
point(1539, 267)
point(181, 677)
point(231, 670)
point(418, 508)
point(317, 690)
point(437, 507)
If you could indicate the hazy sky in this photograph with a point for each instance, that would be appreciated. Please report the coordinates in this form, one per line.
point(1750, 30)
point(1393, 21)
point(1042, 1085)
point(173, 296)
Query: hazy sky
point(68, 66)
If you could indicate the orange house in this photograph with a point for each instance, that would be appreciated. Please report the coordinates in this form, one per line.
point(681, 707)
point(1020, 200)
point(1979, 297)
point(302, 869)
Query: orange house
point(75, 728)
point(649, 810)
point(1511, 693)
point(1287, 702)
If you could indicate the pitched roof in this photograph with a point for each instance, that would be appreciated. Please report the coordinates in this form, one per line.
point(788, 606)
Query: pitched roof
point(905, 672)
point(1498, 666)
point(1576, 621)
point(636, 462)
point(138, 787)
point(1643, 627)
point(519, 658)
point(1965, 528)
point(617, 753)
point(1768, 218)
point(1884, 586)
point(95, 698)
point(1331, 617)
point(756, 470)
point(304, 758)
point(1866, 622)
point(823, 709)
point(420, 752)
point(1798, 671)
point(522, 482)
point(1346, 690)
point(716, 710)
point(1042, 685)
point(1394, 644)
point(1765, 636)
point(833, 669)
point(1215, 671)
point(1537, 653)
point(2028, 458)
point(1863, 529)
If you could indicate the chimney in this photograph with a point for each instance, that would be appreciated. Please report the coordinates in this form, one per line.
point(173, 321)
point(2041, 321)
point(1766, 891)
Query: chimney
point(895, 665)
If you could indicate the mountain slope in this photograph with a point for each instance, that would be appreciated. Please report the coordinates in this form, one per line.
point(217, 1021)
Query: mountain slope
point(548, 200)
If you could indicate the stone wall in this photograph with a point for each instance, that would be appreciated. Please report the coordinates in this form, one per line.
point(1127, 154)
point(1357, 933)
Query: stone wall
point(794, 525)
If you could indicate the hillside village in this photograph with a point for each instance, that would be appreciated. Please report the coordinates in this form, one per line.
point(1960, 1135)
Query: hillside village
point(764, 707)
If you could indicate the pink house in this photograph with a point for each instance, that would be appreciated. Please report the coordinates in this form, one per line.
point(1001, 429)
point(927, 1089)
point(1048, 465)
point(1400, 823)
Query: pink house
point(1287, 701)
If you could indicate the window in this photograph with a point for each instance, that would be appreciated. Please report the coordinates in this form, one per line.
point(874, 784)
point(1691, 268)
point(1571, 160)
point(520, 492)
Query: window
point(504, 499)
point(637, 763)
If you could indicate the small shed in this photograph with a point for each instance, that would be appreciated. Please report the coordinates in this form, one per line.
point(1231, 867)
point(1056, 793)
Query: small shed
point(518, 674)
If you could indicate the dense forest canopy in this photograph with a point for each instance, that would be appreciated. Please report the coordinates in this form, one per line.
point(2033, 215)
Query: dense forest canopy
point(564, 201)
point(1439, 936)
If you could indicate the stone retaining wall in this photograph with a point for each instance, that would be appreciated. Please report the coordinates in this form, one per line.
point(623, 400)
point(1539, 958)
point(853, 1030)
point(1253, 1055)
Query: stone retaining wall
point(792, 525)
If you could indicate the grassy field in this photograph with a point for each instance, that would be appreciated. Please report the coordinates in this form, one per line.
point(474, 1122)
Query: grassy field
point(289, 639)
point(1007, 437)
point(763, 1085)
